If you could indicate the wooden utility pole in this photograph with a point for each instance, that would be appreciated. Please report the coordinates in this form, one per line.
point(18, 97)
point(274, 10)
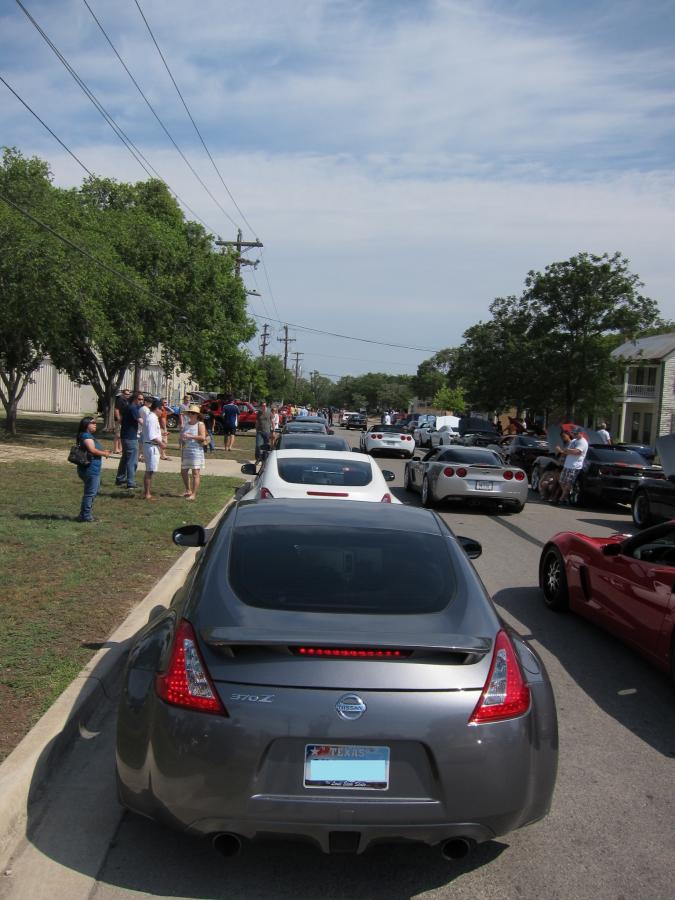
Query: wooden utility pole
point(285, 340)
point(296, 366)
point(241, 245)
point(264, 339)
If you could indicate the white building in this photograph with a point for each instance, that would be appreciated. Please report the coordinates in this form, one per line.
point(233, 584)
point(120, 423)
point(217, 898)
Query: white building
point(646, 403)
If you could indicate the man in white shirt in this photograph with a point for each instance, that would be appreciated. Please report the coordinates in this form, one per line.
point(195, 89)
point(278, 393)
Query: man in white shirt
point(387, 419)
point(604, 434)
point(575, 454)
point(152, 444)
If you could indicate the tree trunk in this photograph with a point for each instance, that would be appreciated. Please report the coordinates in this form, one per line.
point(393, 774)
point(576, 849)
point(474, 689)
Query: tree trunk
point(10, 421)
point(12, 388)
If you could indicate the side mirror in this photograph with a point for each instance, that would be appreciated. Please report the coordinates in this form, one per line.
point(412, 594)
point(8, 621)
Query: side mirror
point(612, 550)
point(388, 475)
point(416, 458)
point(249, 469)
point(471, 547)
point(190, 536)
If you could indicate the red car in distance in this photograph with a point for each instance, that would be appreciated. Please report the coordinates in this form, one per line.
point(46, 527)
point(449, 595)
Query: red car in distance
point(247, 414)
point(623, 583)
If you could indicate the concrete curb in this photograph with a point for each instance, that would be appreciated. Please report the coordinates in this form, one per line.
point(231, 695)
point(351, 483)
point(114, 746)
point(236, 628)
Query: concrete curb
point(31, 761)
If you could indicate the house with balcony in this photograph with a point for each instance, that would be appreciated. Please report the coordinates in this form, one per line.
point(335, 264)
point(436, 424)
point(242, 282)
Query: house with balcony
point(646, 401)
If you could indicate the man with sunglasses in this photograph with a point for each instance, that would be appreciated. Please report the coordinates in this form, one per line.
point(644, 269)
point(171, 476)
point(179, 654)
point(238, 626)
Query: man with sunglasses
point(131, 414)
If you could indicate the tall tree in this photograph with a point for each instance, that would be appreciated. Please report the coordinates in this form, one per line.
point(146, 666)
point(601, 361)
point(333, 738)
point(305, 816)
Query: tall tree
point(35, 291)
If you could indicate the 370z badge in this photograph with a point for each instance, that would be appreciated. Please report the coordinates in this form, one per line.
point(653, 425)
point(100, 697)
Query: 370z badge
point(253, 698)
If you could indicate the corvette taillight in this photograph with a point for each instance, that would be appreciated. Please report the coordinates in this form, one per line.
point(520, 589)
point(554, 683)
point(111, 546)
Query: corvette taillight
point(520, 476)
point(508, 475)
point(186, 682)
point(506, 694)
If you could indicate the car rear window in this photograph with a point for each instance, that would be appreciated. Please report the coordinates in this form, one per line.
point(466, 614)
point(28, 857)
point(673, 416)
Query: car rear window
point(298, 442)
point(309, 470)
point(309, 427)
point(616, 455)
point(470, 457)
point(390, 429)
point(344, 570)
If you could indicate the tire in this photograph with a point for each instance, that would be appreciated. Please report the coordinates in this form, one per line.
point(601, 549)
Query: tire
point(427, 494)
point(407, 483)
point(641, 510)
point(535, 478)
point(172, 422)
point(553, 580)
point(517, 507)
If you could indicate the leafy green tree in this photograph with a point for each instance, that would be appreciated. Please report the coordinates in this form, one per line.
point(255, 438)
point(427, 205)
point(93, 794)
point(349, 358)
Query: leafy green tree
point(450, 399)
point(35, 289)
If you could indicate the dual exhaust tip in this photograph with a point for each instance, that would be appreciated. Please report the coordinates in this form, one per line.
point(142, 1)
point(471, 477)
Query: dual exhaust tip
point(229, 845)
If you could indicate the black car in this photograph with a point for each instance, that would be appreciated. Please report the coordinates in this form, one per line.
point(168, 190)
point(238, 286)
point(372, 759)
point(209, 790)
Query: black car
point(653, 498)
point(478, 439)
point(610, 474)
point(520, 450)
point(357, 420)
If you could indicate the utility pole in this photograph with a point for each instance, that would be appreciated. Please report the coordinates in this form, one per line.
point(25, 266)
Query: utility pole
point(264, 339)
point(241, 245)
point(285, 340)
point(296, 366)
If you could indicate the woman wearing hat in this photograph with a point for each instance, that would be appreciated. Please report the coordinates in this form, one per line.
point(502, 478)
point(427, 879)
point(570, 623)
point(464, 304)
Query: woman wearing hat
point(193, 436)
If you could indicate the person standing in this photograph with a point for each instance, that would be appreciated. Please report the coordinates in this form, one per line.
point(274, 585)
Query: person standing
point(575, 454)
point(387, 419)
point(163, 416)
point(126, 471)
point(152, 444)
point(230, 417)
point(121, 401)
point(182, 410)
point(193, 436)
point(263, 428)
point(90, 475)
point(276, 424)
point(605, 436)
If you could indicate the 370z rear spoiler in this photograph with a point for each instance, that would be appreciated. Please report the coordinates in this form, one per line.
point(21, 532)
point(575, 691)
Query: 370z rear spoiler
point(256, 637)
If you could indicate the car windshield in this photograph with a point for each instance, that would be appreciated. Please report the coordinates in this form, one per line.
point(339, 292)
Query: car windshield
point(616, 455)
point(310, 470)
point(299, 427)
point(470, 457)
point(389, 429)
point(343, 570)
point(310, 442)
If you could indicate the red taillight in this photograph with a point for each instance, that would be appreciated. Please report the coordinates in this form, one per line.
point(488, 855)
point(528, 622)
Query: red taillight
point(520, 476)
point(508, 475)
point(505, 695)
point(405, 437)
point(461, 473)
point(186, 682)
point(327, 493)
point(266, 494)
point(376, 437)
point(386, 498)
point(350, 652)
point(448, 471)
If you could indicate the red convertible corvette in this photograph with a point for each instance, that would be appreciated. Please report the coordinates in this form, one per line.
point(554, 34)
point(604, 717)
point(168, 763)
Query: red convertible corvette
point(622, 583)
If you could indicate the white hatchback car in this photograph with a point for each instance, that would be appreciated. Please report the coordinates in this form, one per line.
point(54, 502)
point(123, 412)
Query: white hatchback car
point(319, 474)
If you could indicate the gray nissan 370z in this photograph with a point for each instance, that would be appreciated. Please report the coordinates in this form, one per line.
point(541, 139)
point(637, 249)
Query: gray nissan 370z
point(335, 671)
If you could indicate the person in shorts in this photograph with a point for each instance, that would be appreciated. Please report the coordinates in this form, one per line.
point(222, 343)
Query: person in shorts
point(152, 445)
point(230, 416)
point(574, 454)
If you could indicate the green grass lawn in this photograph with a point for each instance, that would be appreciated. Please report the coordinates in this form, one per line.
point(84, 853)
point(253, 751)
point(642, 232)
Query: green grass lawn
point(38, 432)
point(66, 585)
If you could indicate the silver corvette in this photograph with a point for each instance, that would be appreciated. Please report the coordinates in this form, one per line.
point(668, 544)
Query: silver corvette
point(335, 672)
point(472, 474)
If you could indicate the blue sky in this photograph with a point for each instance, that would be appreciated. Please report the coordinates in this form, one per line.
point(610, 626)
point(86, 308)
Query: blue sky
point(403, 162)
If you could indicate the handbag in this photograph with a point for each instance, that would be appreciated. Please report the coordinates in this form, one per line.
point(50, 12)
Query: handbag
point(78, 456)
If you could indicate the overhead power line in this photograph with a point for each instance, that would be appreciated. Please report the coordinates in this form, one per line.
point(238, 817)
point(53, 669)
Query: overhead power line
point(135, 152)
point(152, 110)
point(348, 337)
point(199, 134)
point(44, 125)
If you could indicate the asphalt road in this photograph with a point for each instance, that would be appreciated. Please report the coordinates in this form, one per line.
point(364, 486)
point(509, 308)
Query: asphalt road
point(610, 833)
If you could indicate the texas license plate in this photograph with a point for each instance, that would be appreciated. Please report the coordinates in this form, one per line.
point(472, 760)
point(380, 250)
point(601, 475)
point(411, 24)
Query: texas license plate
point(346, 767)
point(484, 485)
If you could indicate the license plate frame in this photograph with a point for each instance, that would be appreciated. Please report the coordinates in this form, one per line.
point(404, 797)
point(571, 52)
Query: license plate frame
point(485, 485)
point(346, 767)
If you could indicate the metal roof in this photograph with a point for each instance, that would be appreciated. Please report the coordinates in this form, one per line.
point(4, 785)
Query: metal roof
point(656, 347)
